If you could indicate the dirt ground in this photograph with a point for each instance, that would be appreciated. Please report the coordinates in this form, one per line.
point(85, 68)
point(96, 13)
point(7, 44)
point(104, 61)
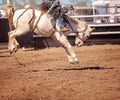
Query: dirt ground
point(45, 74)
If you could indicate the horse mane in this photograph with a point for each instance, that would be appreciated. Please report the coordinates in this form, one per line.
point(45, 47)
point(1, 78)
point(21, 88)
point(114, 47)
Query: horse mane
point(9, 10)
point(73, 20)
point(80, 24)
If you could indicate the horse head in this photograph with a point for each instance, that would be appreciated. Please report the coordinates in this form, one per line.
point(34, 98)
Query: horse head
point(82, 30)
point(83, 35)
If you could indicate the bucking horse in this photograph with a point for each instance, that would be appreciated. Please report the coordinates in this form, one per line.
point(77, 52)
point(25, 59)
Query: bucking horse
point(29, 19)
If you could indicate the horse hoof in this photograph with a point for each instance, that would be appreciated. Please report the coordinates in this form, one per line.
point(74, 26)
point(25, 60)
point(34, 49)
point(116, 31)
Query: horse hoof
point(77, 62)
point(10, 52)
point(74, 62)
point(16, 48)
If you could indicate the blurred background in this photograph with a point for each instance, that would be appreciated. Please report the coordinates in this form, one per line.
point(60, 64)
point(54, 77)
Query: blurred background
point(34, 3)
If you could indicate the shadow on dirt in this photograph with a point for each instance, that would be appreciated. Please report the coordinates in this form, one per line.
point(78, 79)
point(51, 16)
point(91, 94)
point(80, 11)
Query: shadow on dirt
point(85, 68)
point(3, 56)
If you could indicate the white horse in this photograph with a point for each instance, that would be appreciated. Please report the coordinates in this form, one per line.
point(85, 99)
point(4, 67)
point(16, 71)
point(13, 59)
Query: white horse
point(25, 20)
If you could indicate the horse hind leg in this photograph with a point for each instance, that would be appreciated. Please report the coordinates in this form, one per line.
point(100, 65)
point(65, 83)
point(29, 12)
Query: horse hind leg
point(16, 45)
point(13, 44)
point(67, 46)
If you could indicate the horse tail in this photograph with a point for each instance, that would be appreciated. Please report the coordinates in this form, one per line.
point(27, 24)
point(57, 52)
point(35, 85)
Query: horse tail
point(10, 10)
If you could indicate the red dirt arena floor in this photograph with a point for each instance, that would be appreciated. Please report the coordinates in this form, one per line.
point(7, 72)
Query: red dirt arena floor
point(45, 74)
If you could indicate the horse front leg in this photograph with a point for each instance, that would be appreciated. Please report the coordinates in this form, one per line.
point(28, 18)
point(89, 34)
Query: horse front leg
point(13, 44)
point(72, 57)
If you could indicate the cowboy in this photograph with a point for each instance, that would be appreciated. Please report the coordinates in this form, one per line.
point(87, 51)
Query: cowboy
point(56, 12)
point(61, 20)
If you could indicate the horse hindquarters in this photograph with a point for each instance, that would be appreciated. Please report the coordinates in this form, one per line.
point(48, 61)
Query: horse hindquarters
point(67, 46)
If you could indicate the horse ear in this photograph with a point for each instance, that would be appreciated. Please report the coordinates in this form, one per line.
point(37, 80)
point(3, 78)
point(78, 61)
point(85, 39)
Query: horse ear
point(91, 29)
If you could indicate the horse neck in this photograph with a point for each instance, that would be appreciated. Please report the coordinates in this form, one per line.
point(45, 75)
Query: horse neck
point(73, 24)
